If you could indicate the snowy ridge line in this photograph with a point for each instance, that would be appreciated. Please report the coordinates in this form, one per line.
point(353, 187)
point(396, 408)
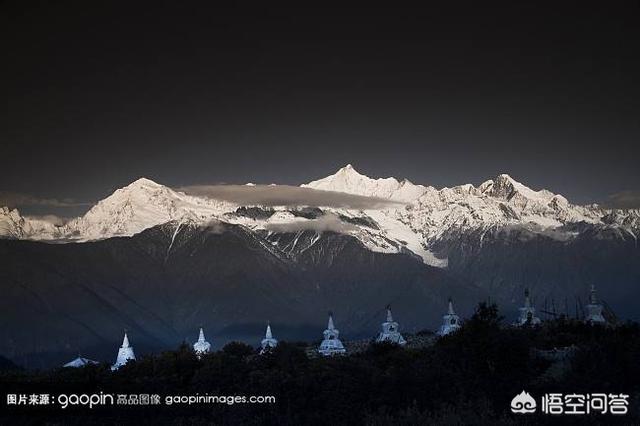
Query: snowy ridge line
point(418, 220)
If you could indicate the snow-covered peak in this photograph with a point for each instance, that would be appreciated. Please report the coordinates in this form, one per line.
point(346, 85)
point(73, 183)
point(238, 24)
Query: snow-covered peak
point(11, 223)
point(143, 182)
point(15, 226)
point(129, 210)
point(138, 206)
point(139, 190)
point(506, 187)
point(349, 180)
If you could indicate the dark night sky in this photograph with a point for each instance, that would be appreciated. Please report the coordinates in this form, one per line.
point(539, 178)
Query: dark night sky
point(96, 95)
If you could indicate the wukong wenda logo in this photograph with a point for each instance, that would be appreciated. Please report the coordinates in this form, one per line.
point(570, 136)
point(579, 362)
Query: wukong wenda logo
point(523, 403)
point(616, 404)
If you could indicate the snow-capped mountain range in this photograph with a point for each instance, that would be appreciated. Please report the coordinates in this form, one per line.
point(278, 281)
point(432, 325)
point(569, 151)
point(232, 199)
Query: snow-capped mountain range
point(418, 219)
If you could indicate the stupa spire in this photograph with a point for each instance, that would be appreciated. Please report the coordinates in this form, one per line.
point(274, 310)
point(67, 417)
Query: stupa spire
point(594, 309)
point(390, 331)
point(125, 353)
point(201, 347)
point(267, 334)
point(389, 315)
point(527, 314)
point(330, 325)
point(527, 300)
point(592, 295)
point(268, 342)
point(331, 345)
point(450, 321)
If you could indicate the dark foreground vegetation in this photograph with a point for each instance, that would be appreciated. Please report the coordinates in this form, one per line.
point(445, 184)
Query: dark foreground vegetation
point(467, 378)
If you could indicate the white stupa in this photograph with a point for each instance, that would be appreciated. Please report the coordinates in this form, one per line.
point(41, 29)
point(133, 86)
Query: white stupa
point(125, 354)
point(268, 342)
point(390, 331)
point(527, 313)
point(331, 345)
point(80, 362)
point(594, 309)
point(450, 321)
point(201, 347)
